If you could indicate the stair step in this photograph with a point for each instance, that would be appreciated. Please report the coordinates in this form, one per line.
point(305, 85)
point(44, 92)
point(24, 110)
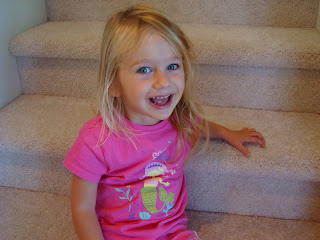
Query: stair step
point(294, 13)
point(214, 44)
point(281, 181)
point(27, 215)
point(227, 86)
point(57, 54)
point(36, 133)
point(32, 215)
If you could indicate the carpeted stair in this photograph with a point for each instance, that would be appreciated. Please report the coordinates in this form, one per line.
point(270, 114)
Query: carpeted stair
point(264, 73)
point(42, 215)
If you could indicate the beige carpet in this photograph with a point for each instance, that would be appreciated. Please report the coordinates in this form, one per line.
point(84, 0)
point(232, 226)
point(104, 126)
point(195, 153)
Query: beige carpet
point(279, 181)
point(27, 215)
point(268, 59)
point(276, 68)
point(214, 44)
point(293, 13)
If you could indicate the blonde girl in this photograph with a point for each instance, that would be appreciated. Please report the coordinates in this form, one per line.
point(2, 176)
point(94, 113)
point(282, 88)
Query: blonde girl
point(127, 163)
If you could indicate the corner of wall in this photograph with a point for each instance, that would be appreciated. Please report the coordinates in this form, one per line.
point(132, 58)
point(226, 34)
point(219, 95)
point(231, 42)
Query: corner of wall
point(15, 17)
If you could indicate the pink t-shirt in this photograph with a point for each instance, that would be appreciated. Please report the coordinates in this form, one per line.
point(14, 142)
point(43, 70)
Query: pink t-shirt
point(142, 192)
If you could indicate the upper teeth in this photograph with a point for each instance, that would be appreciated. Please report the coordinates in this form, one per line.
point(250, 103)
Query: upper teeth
point(161, 97)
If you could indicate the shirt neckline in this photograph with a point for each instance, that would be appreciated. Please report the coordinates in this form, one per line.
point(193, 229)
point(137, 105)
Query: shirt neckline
point(148, 128)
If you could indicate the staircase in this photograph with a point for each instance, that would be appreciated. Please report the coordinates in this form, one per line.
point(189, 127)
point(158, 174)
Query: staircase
point(259, 66)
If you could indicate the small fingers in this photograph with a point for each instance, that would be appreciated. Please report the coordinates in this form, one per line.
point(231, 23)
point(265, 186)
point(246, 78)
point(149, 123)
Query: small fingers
point(254, 133)
point(248, 129)
point(249, 136)
point(258, 135)
point(242, 149)
point(254, 139)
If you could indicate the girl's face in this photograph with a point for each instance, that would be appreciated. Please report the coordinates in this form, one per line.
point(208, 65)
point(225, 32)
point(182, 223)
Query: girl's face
point(151, 81)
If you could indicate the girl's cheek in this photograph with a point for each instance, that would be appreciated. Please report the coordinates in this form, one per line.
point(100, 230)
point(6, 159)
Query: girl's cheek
point(145, 77)
point(140, 76)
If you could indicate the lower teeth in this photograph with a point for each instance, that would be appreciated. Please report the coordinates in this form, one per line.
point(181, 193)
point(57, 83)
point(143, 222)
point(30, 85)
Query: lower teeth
point(167, 100)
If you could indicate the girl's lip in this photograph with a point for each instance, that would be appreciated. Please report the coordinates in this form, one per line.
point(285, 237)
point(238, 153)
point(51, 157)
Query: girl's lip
point(162, 96)
point(164, 106)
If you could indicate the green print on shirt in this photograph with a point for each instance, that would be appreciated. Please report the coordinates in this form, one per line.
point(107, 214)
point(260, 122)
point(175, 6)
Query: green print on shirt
point(149, 193)
point(126, 194)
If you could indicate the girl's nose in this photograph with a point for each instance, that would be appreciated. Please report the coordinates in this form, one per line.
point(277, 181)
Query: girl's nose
point(161, 80)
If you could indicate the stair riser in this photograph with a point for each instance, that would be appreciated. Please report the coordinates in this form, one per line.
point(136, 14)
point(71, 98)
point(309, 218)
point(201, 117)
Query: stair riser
point(296, 13)
point(254, 196)
point(247, 87)
point(228, 194)
point(279, 181)
point(259, 88)
point(61, 77)
point(36, 179)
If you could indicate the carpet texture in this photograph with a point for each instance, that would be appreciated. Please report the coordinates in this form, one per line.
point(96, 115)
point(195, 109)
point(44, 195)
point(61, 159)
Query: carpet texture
point(270, 66)
point(275, 180)
point(214, 44)
point(279, 181)
point(293, 13)
point(253, 55)
point(28, 215)
point(267, 88)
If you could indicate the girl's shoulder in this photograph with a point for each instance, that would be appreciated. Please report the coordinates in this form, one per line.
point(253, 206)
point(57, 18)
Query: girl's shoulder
point(93, 127)
point(94, 123)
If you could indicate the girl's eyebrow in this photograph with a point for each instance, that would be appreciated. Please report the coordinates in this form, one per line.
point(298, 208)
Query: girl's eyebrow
point(149, 60)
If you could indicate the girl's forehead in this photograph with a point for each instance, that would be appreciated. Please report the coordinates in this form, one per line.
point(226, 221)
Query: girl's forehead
point(152, 46)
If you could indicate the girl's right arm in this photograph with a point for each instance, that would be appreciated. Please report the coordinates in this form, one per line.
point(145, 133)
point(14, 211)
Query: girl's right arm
point(83, 202)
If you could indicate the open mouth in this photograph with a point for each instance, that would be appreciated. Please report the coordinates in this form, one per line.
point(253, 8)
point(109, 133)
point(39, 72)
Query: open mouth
point(161, 101)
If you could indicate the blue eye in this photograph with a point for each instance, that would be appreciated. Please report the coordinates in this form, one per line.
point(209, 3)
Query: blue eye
point(144, 70)
point(173, 67)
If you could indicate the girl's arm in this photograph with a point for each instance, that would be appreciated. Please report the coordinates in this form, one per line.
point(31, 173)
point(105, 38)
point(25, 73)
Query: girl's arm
point(236, 138)
point(83, 202)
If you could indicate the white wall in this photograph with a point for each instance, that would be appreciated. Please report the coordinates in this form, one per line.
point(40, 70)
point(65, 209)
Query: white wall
point(16, 16)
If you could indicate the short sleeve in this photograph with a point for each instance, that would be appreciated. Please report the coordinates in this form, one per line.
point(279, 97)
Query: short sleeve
point(85, 158)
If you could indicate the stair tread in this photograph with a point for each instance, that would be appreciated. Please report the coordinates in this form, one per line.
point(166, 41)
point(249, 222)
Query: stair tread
point(292, 145)
point(41, 129)
point(215, 44)
point(295, 13)
point(39, 215)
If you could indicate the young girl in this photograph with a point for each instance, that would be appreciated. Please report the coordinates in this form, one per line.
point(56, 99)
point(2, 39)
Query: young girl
point(127, 163)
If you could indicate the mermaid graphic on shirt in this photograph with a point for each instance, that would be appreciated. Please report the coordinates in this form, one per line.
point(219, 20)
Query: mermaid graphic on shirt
point(155, 172)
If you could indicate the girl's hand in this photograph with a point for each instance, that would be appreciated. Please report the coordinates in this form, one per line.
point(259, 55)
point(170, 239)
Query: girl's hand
point(238, 138)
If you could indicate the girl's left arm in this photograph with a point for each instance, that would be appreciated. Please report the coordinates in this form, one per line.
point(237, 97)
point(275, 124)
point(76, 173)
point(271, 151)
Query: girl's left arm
point(237, 138)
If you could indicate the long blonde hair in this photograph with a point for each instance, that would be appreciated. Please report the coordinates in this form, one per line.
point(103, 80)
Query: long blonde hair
point(121, 35)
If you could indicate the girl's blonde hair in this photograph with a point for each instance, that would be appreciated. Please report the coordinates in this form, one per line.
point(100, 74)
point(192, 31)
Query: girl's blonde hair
point(122, 35)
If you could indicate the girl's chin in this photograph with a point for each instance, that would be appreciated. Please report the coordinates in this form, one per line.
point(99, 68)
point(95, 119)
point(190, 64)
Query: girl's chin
point(157, 118)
